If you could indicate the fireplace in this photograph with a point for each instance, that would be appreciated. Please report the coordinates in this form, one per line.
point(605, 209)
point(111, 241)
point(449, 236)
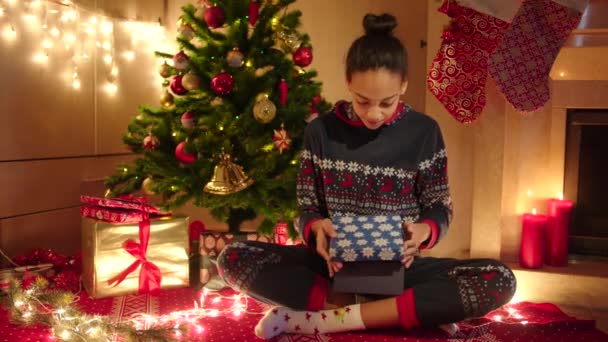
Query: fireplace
point(586, 180)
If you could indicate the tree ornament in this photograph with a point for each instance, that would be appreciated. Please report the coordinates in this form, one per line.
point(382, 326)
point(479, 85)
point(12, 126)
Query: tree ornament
point(289, 42)
point(181, 61)
point(254, 11)
point(228, 178)
point(235, 58)
point(164, 70)
point(283, 90)
point(151, 143)
point(166, 99)
point(215, 17)
point(147, 186)
point(218, 101)
point(264, 110)
point(191, 81)
point(281, 139)
point(182, 155)
point(222, 84)
point(263, 71)
point(108, 193)
point(188, 120)
point(303, 57)
point(177, 87)
point(185, 29)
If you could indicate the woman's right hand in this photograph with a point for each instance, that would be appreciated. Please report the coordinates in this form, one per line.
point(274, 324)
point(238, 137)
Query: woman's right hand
point(324, 230)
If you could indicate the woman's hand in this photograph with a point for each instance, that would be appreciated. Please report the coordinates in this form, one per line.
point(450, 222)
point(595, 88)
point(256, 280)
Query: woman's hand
point(324, 230)
point(415, 234)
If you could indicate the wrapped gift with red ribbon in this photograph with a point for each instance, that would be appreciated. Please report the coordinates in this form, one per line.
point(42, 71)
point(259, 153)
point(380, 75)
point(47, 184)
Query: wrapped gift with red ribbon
point(122, 235)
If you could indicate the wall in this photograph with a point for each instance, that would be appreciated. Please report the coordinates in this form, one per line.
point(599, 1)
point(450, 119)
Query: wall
point(54, 138)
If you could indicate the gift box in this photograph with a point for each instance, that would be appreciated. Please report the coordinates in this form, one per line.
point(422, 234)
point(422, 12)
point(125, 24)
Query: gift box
point(371, 249)
point(130, 247)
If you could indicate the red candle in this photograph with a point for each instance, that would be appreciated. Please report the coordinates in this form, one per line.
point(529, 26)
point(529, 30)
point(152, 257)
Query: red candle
point(558, 225)
point(532, 249)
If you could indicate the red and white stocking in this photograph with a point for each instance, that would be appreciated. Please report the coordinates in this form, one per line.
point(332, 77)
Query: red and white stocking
point(459, 72)
point(522, 62)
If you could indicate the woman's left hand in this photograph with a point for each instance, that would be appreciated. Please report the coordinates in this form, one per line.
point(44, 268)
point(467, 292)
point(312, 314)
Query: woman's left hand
point(415, 234)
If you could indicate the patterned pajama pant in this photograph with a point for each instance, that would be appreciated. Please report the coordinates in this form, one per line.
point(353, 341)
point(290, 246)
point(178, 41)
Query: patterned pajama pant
point(444, 290)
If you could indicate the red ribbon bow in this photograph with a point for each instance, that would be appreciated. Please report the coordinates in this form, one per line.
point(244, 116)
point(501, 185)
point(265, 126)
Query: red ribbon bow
point(149, 274)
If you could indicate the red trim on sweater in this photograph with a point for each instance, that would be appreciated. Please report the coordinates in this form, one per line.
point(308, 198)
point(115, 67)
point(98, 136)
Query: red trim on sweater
point(317, 295)
point(434, 234)
point(406, 308)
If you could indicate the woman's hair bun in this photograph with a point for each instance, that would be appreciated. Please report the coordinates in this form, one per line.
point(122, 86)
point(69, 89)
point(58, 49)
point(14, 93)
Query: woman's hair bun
point(379, 24)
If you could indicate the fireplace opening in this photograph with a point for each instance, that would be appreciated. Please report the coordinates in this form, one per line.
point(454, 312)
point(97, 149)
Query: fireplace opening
point(586, 181)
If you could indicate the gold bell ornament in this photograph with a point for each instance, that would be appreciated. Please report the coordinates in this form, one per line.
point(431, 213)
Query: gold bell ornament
point(228, 177)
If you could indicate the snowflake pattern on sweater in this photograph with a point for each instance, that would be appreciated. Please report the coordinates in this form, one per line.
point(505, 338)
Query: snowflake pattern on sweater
point(400, 168)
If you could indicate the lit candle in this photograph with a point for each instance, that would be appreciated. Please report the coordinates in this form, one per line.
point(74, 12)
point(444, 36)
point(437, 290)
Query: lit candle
point(532, 249)
point(558, 225)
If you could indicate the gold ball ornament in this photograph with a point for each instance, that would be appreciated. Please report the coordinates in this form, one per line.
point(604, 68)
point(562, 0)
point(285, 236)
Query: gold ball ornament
point(235, 58)
point(264, 110)
point(190, 81)
point(147, 185)
point(166, 99)
point(164, 70)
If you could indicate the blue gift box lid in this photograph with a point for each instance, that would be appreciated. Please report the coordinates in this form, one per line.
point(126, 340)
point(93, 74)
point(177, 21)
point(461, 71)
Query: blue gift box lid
point(367, 238)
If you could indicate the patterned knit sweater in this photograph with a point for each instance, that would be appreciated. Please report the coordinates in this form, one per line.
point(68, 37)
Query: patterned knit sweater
point(400, 168)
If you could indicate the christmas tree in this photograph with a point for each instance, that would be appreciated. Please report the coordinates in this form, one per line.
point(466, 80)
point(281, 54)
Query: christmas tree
point(236, 101)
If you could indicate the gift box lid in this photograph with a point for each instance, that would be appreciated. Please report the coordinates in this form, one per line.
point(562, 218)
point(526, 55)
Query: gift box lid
point(367, 238)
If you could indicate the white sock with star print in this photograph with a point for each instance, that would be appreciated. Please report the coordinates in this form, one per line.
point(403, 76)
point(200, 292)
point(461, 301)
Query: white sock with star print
point(283, 320)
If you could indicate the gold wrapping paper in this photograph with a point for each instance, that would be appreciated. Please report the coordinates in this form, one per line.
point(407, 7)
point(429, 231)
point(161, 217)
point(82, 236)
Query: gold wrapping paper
point(103, 256)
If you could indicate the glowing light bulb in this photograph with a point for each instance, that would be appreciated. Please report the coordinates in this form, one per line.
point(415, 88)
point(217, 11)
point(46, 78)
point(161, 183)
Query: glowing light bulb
point(560, 196)
point(497, 318)
point(107, 59)
point(29, 18)
point(69, 15)
point(518, 316)
point(114, 71)
point(9, 33)
point(529, 192)
point(90, 30)
point(1, 12)
point(215, 300)
point(69, 38)
point(93, 20)
point(11, 3)
point(213, 313)
point(534, 211)
point(129, 55)
point(107, 28)
point(35, 4)
point(19, 303)
point(524, 322)
point(511, 311)
point(60, 311)
point(106, 45)
point(41, 57)
point(47, 44)
point(55, 32)
point(237, 313)
point(562, 74)
point(65, 334)
point(76, 83)
point(112, 89)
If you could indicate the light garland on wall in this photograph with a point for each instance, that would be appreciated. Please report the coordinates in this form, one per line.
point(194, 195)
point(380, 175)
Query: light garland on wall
point(67, 30)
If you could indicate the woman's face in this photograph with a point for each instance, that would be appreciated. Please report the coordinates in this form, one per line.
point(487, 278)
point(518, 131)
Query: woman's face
point(375, 95)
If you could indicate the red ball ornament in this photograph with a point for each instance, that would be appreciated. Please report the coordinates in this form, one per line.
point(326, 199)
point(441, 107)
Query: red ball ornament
point(188, 120)
point(222, 84)
point(182, 156)
point(302, 57)
point(215, 17)
point(254, 11)
point(151, 143)
point(177, 87)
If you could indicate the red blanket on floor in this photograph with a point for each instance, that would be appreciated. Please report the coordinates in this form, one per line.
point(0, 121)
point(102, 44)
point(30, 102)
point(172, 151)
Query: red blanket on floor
point(519, 322)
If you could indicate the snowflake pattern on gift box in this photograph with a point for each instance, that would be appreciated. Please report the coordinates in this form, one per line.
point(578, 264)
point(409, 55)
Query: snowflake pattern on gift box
point(367, 238)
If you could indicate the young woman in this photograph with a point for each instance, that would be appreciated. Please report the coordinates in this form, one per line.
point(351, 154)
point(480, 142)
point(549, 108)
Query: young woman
point(372, 156)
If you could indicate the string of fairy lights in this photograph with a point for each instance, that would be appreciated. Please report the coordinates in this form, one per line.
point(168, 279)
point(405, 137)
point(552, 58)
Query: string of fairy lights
point(61, 31)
